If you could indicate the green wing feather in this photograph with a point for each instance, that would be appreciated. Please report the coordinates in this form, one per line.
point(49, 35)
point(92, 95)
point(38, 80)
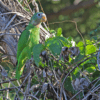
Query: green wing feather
point(23, 40)
point(25, 48)
point(24, 56)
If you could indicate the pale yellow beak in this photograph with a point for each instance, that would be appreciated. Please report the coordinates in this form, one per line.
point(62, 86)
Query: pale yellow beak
point(44, 18)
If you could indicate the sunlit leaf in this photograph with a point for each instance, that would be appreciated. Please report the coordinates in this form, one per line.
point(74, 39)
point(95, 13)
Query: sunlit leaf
point(59, 31)
point(91, 69)
point(90, 49)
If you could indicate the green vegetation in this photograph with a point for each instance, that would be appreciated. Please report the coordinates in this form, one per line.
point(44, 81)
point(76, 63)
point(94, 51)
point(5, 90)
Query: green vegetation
point(68, 56)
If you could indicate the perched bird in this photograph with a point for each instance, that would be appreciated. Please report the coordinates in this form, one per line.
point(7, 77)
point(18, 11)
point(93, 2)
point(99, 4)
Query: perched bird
point(27, 40)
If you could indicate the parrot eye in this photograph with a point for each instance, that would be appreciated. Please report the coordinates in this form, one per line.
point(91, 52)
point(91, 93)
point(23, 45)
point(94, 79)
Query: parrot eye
point(38, 14)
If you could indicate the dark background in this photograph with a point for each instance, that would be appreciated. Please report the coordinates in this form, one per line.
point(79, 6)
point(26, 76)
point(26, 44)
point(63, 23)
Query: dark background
point(85, 12)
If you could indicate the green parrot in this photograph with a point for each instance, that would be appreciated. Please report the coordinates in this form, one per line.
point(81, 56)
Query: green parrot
point(27, 40)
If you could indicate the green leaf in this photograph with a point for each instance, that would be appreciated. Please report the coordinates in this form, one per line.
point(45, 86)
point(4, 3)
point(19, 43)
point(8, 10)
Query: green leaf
point(91, 69)
point(64, 41)
point(36, 52)
point(52, 31)
point(55, 46)
point(59, 31)
point(77, 75)
point(70, 38)
point(42, 64)
point(79, 57)
point(96, 74)
point(76, 71)
point(81, 47)
point(92, 60)
point(68, 85)
point(87, 65)
point(88, 42)
point(90, 49)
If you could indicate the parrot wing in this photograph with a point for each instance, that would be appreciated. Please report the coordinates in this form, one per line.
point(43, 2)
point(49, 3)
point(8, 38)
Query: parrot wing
point(24, 56)
point(23, 40)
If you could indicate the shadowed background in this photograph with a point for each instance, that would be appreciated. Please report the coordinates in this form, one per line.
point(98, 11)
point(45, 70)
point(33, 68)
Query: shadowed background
point(85, 12)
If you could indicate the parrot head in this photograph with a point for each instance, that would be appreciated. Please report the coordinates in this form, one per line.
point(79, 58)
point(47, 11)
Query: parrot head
point(37, 18)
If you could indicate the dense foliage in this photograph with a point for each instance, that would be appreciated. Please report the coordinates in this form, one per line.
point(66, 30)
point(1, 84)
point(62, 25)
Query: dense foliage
point(86, 61)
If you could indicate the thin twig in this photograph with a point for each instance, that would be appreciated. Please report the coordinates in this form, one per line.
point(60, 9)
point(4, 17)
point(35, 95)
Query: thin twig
point(41, 6)
point(46, 27)
point(65, 95)
point(22, 7)
point(17, 13)
point(44, 12)
point(85, 76)
point(95, 83)
point(36, 93)
point(76, 94)
point(98, 59)
point(10, 88)
point(89, 93)
point(24, 80)
point(28, 85)
point(7, 81)
point(75, 25)
point(35, 5)
point(54, 90)
point(9, 34)
point(8, 91)
point(4, 97)
point(33, 97)
point(11, 47)
point(10, 22)
point(61, 91)
point(19, 23)
point(15, 86)
point(74, 68)
point(29, 7)
point(76, 63)
point(4, 6)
